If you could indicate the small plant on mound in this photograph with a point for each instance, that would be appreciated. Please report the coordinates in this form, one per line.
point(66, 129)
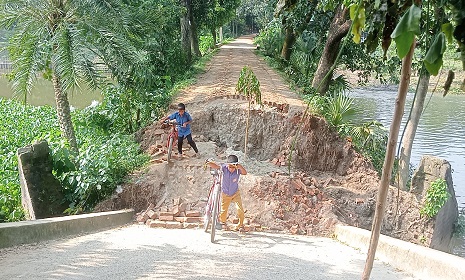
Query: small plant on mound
point(249, 86)
point(436, 197)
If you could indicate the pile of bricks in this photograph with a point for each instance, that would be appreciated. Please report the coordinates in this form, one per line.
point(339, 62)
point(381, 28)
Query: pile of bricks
point(280, 159)
point(298, 202)
point(179, 216)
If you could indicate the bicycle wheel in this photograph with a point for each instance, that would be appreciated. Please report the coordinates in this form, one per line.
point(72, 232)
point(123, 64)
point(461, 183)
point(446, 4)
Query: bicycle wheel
point(208, 215)
point(170, 148)
point(214, 217)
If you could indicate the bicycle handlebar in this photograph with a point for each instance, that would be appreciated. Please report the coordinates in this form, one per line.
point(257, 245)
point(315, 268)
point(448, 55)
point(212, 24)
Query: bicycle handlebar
point(171, 122)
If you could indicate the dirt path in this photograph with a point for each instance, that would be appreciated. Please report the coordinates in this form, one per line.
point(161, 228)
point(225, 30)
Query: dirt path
point(222, 74)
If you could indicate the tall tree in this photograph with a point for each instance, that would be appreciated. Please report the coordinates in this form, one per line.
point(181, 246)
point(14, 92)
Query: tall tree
point(432, 62)
point(65, 41)
point(295, 17)
point(338, 29)
point(186, 29)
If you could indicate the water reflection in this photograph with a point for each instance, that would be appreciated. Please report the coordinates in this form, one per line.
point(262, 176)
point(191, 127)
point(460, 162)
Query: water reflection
point(440, 132)
point(42, 94)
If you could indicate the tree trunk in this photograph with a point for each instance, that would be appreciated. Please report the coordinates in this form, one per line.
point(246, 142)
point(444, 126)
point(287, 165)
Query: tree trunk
point(185, 31)
point(64, 113)
point(288, 44)
point(194, 37)
point(411, 129)
point(247, 130)
point(337, 30)
point(388, 161)
point(213, 31)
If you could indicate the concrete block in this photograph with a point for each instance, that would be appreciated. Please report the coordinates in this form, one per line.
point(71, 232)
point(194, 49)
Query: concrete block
point(423, 262)
point(24, 232)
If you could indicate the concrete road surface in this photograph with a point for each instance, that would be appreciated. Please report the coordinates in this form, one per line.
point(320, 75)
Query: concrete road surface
point(140, 252)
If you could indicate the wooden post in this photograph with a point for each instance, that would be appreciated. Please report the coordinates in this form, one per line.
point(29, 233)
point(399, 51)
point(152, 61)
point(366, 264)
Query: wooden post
point(388, 161)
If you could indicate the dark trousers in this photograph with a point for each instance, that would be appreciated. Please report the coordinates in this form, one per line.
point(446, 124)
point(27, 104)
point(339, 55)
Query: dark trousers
point(189, 140)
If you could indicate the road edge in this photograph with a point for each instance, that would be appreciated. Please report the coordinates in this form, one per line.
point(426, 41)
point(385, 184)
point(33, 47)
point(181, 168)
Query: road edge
point(26, 232)
point(422, 262)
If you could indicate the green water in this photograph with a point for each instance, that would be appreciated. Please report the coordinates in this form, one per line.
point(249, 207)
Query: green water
point(42, 94)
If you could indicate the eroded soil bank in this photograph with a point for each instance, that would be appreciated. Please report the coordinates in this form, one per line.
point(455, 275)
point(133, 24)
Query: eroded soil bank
point(328, 183)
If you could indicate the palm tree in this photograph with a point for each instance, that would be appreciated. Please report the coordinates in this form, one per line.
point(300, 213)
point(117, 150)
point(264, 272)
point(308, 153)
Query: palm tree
point(67, 42)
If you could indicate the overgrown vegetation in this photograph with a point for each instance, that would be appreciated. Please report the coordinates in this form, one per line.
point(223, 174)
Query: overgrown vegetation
point(105, 157)
point(104, 131)
point(436, 197)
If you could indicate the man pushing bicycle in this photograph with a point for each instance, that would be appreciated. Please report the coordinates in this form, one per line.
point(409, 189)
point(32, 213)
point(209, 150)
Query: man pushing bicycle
point(232, 170)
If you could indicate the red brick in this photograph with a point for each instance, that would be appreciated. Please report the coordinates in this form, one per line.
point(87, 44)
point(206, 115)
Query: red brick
point(193, 213)
point(294, 229)
point(157, 224)
point(179, 219)
point(152, 214)
point(169, 217)
point(174, 225)
point(193, 219)
point(142, 217)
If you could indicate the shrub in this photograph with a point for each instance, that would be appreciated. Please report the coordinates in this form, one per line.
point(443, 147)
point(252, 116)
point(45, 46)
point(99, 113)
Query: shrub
point(436, 197)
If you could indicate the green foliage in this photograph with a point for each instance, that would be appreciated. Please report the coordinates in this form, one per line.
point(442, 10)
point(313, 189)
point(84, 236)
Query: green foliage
point(104, 160)
point(20, 126)
point(10, 199)
point(405, 31)
point(271, 39)
point(433, 58)
point(206, 43)
point(126, 110)
point(357, 15)
point(338, 109)
point(371, 140)
point(249, 85)
point(435, 198)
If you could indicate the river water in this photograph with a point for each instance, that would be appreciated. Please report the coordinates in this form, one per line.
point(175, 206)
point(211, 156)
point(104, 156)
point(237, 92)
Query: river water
point(42, 94)
point(441, 131)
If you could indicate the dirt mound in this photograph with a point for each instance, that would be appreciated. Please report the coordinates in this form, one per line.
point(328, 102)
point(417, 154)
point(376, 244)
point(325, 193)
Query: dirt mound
point(328, 182)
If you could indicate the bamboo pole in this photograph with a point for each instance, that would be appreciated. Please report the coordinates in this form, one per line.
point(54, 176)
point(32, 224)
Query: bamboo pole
point(389, 160)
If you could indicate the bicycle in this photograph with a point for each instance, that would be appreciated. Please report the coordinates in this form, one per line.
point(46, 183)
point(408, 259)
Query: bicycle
point(172, 137)
point(212, 209)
